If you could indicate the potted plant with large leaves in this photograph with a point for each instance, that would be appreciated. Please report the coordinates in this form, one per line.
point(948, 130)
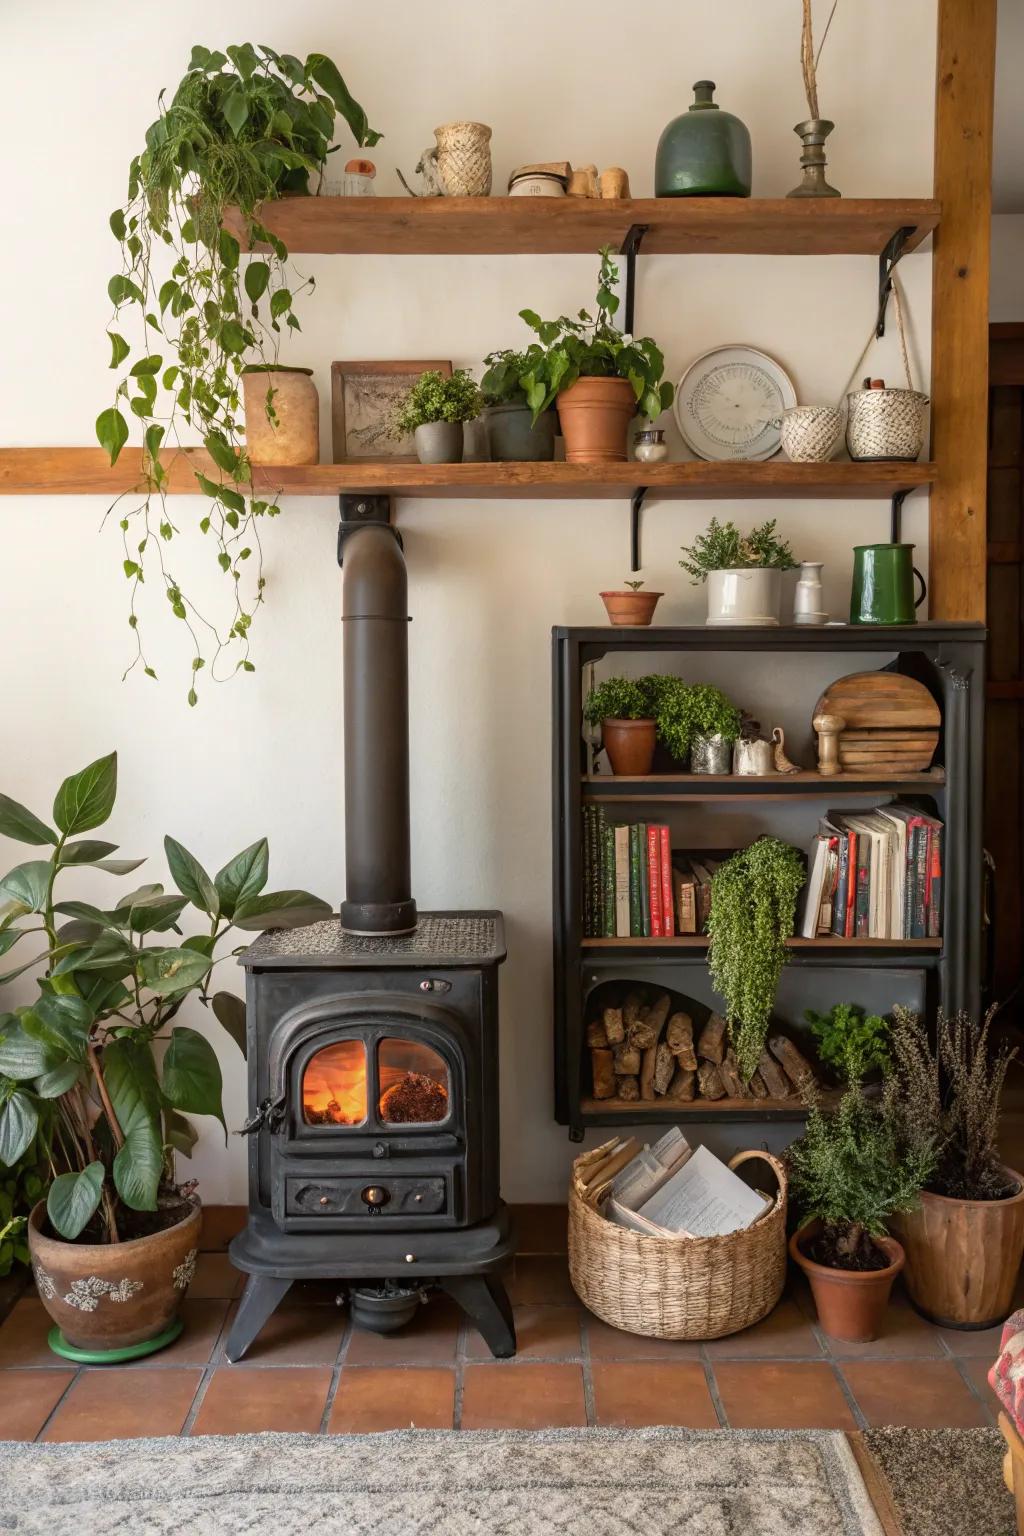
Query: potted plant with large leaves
point(965, 1240)
point(242, 128)
point(513, 435)
point(98, 1071)
point(599, 377)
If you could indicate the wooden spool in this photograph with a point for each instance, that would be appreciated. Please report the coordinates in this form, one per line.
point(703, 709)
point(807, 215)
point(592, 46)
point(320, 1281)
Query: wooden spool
point(891, 722)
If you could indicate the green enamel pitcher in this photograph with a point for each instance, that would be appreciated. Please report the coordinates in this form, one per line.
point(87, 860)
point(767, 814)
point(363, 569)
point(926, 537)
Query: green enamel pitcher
point(883, 585)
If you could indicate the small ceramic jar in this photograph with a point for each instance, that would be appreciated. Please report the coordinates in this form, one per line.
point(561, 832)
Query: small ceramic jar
point(808, 602)
point(536, 184)
point(650, 446)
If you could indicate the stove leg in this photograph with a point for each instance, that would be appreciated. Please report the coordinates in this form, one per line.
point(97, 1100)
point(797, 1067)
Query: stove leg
point(260, 1298)
point(485, 1301)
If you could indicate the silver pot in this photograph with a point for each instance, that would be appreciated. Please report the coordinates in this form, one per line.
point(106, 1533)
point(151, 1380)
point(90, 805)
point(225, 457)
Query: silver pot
point(711, 754)
point(753, 758)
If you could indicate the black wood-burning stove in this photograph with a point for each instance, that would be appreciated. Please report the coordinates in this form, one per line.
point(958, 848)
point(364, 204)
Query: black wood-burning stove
point(373, 1038)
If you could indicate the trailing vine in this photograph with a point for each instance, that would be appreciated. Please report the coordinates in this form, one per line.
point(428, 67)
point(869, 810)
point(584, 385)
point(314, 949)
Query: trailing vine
point(243, 127)
point(753, 908)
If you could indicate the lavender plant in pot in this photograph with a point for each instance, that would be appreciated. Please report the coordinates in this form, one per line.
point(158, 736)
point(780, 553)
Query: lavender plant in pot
point(742, 571)
point(623, 708)
point(114, 1242)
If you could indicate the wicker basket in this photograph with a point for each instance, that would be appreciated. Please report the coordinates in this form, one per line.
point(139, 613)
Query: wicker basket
point(682, 1287)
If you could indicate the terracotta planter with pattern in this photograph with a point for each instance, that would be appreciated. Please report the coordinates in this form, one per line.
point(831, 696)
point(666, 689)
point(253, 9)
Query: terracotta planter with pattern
point(106, 1296)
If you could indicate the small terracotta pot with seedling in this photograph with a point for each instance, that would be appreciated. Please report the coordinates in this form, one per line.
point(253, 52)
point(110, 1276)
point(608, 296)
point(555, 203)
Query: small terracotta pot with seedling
point(632, 606)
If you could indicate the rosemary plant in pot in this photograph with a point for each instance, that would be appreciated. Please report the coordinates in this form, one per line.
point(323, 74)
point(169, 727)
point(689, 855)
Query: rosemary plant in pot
point(623, 708)
point(513, 435)
point(742, 571)
point(849, 1174)
point(114, 1242)
point(965, 1240)
point(242, 128)
point(599, 377)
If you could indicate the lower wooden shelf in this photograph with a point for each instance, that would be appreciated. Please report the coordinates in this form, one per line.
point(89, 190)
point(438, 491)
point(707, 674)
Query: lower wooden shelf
point(609, 1111)
point(701, 941)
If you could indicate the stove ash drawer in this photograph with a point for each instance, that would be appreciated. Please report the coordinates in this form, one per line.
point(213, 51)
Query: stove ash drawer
point(362, 1197)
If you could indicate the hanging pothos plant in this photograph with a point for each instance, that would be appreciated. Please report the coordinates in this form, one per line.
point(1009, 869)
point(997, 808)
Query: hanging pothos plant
point(243, 127)
point(753, 908)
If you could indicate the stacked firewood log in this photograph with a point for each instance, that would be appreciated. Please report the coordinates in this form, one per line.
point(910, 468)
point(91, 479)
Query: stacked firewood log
point(641, 1051)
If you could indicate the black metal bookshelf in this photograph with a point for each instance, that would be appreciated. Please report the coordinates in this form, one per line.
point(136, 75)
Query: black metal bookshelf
point(950, 660)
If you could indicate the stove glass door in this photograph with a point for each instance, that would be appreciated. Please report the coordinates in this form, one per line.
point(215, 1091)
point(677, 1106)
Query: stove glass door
point(334, 1085)
point(415, 1088)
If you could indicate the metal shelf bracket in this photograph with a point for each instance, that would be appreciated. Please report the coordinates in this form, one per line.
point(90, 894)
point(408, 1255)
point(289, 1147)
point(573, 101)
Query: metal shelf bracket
point(896, 517)
point(358, 511)
point(630, 247)
point(636, 502)
point(886, 266)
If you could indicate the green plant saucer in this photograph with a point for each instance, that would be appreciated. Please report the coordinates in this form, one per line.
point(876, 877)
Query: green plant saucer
point(60, 1346)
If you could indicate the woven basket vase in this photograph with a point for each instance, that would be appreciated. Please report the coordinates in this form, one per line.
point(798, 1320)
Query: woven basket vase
point(886, 424)
point(811, 433)
point(676, 1287)
point(464, 159)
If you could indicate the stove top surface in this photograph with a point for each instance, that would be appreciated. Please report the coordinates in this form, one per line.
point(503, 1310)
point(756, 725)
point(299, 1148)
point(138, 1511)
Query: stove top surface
point(439, 939)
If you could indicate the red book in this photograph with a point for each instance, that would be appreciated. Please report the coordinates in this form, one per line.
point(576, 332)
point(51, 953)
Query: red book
point(668, 927)
point(654, 879)
point(850, 926)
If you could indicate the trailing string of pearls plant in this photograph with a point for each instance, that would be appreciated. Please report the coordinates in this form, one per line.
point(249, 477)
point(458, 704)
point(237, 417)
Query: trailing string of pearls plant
point(243, 127)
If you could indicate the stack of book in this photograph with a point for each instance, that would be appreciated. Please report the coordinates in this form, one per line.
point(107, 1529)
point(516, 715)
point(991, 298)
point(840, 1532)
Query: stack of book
point(875, 875)
point(627, 879)
point(691, 885)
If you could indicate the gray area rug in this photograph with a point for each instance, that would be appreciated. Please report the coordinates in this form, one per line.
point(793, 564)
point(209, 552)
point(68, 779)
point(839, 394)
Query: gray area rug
point(596, 1482)
point(945, 1481)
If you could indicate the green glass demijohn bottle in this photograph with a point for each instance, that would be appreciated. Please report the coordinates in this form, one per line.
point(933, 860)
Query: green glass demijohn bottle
point(703, 153)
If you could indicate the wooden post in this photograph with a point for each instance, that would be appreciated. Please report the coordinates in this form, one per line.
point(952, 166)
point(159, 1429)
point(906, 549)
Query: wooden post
point(965, 73)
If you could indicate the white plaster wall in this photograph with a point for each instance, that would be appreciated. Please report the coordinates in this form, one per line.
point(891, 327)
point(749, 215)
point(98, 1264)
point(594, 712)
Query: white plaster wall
point(585, 81)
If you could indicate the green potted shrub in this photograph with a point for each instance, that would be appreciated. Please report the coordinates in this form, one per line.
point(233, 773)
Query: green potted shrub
point(114, 1242)
point(753, 908)
point(623, 708)
point(631, 606)
point(849, 1175)
point(697, 722)
point(965, 1241)
point(853, 1043)
point(242, 128)
point(513, 435)
point(742, 571)
point(434, 411)
point(599, 377)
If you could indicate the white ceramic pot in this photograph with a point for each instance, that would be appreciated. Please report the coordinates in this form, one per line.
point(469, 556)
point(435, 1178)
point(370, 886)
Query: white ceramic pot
point(744, 596)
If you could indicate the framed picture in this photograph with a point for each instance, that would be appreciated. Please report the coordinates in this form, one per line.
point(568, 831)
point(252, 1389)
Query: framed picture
point(363, 401)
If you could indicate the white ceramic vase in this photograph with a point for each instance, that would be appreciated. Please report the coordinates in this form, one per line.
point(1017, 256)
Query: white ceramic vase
point(744, 596)
point(808, 601)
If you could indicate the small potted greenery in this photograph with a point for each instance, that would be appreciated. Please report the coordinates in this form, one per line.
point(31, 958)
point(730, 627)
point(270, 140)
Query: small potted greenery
point(851, 1042)
point(599, 377)
point(434, 411)
point(849, 1175)
point(631, 606)
point(753, 909)
point(513, 435)
point(114, 1242)
point(623, 708)
point(697, 723)
point(965, 1240)
point(742, 571)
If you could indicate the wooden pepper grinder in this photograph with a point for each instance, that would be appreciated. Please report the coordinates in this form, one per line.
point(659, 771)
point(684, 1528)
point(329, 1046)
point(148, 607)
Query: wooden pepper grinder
point(828, 728)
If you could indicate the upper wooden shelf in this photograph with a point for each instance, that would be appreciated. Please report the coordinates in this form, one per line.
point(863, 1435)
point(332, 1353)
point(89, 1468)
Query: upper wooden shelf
point(659, 787)
point(676, 226)
point(87, 471)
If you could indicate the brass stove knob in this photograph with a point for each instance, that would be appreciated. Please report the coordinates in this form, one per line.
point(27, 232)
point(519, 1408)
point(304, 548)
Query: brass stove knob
point(375, 1194)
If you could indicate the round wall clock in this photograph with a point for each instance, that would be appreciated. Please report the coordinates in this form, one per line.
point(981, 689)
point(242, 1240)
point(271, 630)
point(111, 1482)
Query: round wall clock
point(729, 404)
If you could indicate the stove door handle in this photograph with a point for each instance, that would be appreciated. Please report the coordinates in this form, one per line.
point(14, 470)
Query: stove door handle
point(270, 1114)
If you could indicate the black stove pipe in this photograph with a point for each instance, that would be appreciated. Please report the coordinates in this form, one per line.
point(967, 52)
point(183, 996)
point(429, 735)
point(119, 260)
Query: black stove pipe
point(378, 897)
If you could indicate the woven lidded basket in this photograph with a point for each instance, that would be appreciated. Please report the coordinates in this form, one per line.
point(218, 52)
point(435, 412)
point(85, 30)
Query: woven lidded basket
point(675, 1287)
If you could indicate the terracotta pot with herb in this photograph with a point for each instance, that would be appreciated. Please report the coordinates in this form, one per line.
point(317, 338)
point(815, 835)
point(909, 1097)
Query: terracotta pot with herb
point(965, 1241)
point(631, 606)
point(114, 1242)
point(599, 377)
point(622, 707)
point(849, 1174)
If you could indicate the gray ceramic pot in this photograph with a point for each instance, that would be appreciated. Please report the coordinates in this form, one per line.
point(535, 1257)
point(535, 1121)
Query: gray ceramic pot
point(439, 442)
point(514, 438)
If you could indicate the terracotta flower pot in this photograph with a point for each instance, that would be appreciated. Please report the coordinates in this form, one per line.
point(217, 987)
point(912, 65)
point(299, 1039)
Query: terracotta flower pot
point(106, 1296)
point(595, 415)
point(963, 1256)
point(295, 438)
point(851, 1303)
point(629, 744)
point(630, 607)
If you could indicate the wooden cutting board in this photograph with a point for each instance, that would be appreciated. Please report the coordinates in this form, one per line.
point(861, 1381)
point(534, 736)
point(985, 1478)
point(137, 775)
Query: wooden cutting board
point(892, 722)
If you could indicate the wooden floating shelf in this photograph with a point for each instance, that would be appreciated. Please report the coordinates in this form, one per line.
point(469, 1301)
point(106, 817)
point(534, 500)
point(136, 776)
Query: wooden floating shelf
point(701, 941)
point(520, 226)
point(87, 471)
point(664, 789)
point(664, 1108)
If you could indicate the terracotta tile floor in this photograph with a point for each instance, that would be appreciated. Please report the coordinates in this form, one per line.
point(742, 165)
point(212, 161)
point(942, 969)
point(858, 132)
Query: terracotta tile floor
point(310, 1371)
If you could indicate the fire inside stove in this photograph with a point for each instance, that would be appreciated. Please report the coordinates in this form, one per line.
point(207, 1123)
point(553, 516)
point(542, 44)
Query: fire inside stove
point(413, 1084)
